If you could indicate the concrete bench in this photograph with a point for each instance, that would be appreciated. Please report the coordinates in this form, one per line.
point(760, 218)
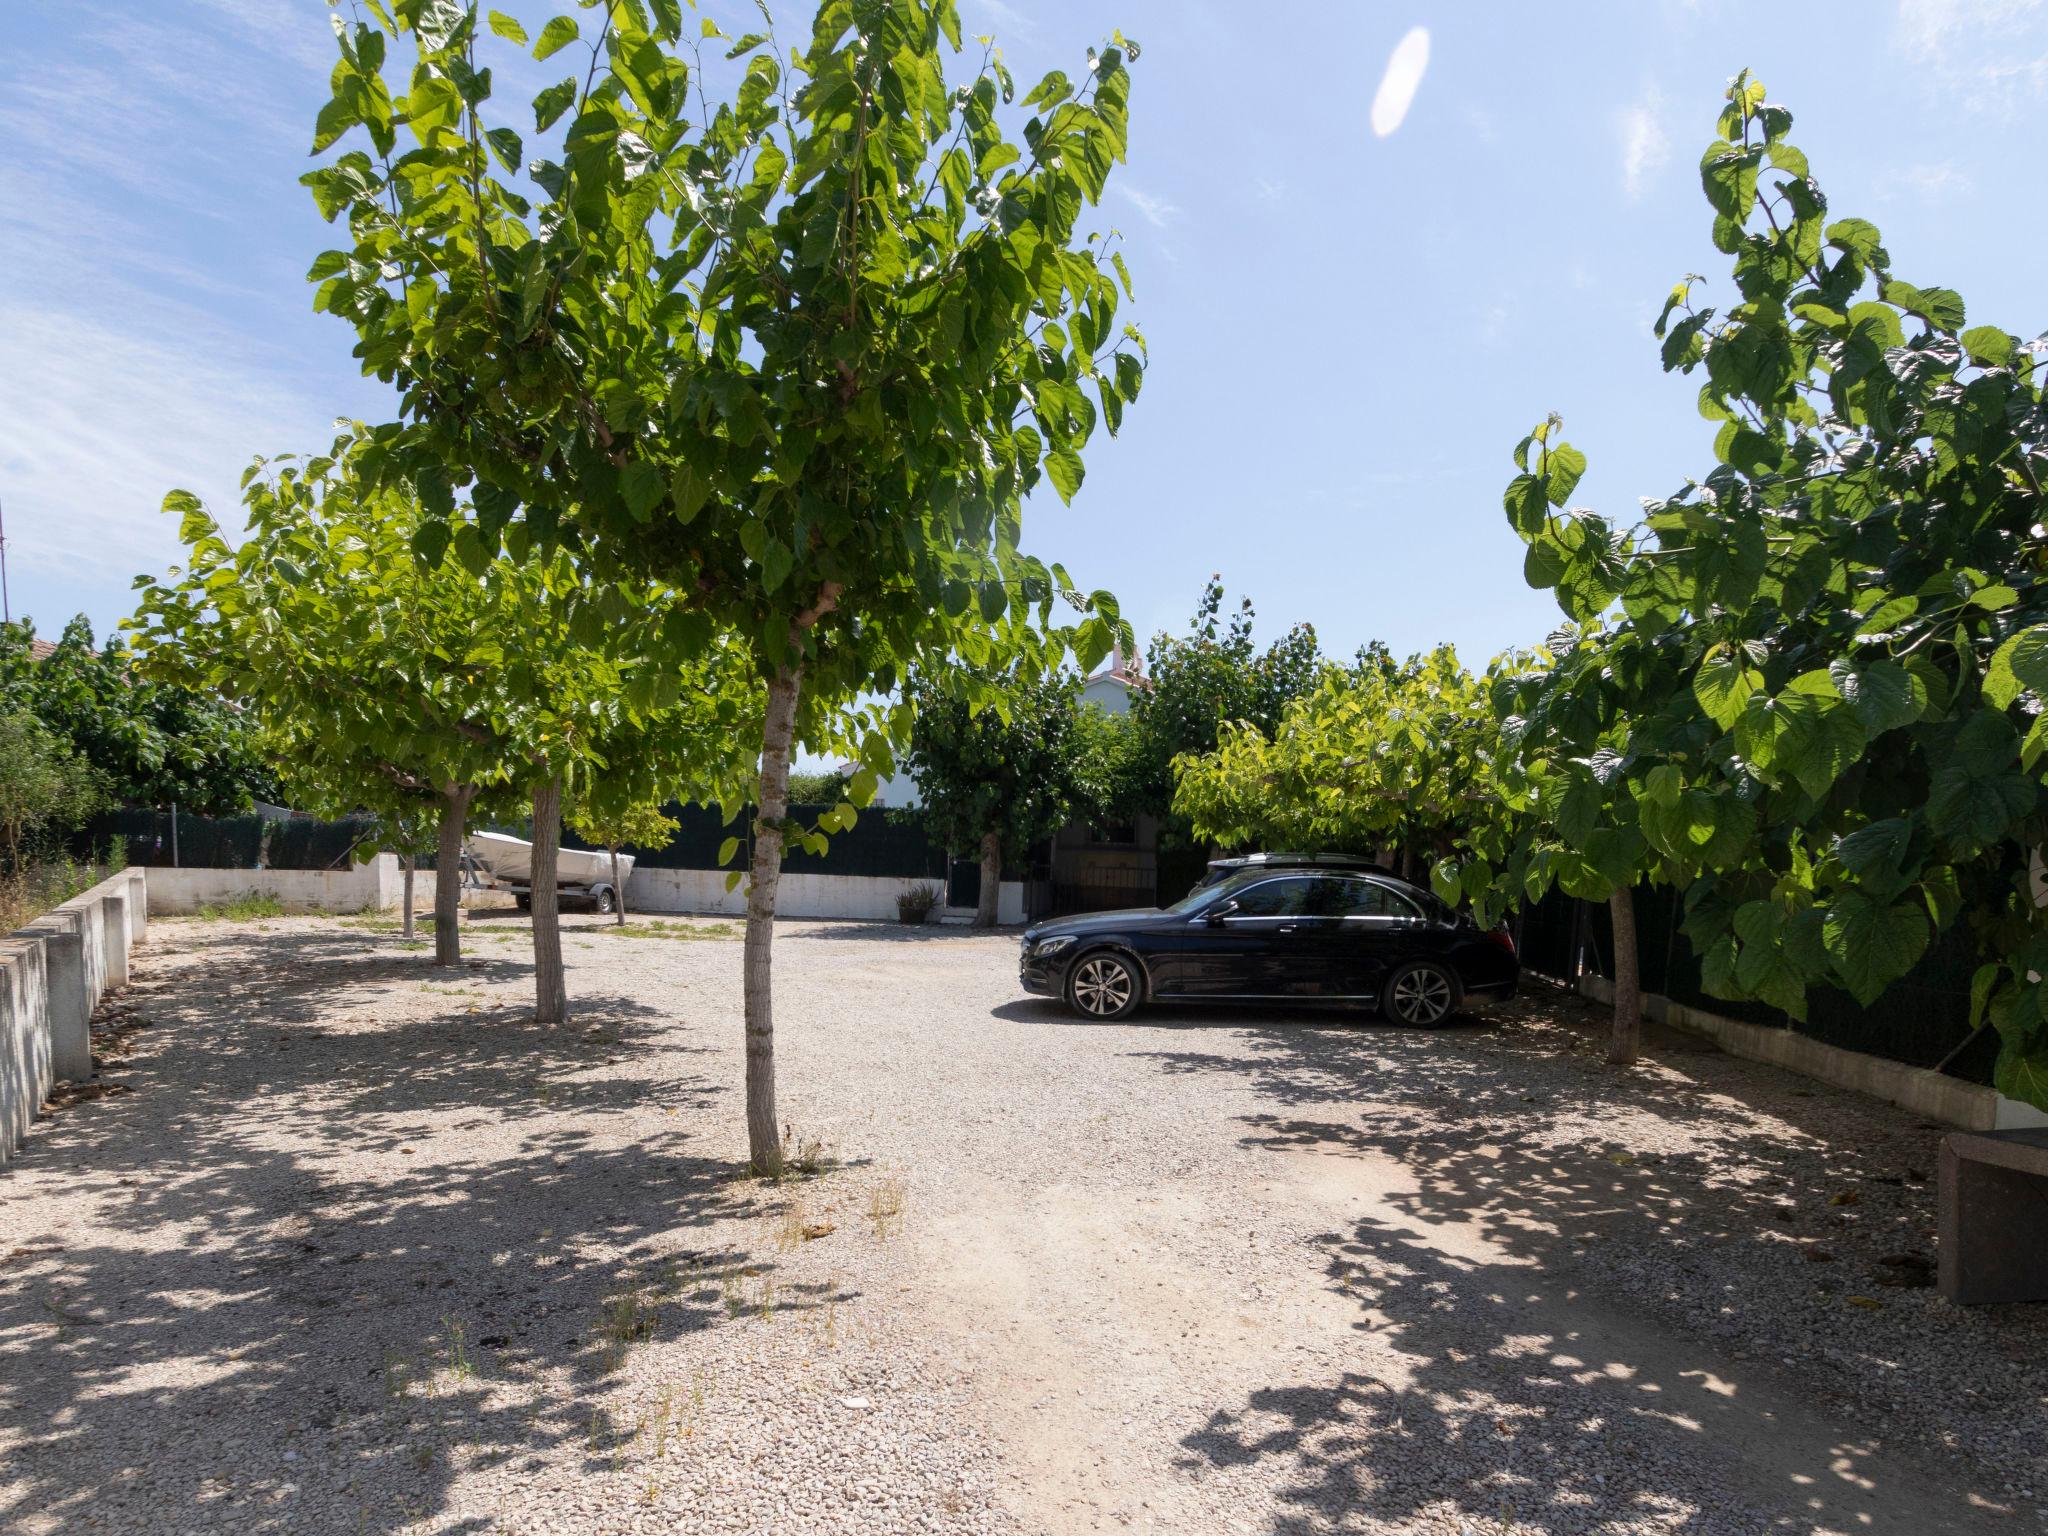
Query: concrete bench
point(1994, 1216)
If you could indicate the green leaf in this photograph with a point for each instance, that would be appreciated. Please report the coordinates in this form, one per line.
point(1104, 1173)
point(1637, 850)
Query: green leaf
point(2020, 663)
point(1872, 943)
point(506, 27)
point(1988, 346)
point(1063, 467)
point(1723, 685)
point(551, 103)
point(727, 849)
point(430, 542)
point(2022, 1069)
point(640, 483)
point(1883, 694)
point(1564, 466)
point(1527, 506)
point(558, 34)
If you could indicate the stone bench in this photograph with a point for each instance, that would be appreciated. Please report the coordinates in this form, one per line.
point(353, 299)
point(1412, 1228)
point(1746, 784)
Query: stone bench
point(1994, 1216)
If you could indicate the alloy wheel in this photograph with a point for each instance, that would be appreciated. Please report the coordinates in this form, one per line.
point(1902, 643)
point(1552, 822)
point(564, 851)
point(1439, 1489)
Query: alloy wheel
point(1422, 996)
point(1102, 987)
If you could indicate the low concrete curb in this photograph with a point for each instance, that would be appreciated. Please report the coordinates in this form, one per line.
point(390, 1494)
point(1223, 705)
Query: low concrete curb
point(1947, 1099)
point(53, 973)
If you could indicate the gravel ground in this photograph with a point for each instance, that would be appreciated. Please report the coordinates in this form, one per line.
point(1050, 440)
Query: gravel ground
point(348, 1244)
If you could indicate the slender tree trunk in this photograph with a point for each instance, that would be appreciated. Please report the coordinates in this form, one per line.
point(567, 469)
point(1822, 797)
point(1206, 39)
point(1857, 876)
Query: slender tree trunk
point(1628, 981)
point(551, 987)
point(448, 875)
point(405, 861)
point(764, 1143)
point(618, 890)
point(991, 879)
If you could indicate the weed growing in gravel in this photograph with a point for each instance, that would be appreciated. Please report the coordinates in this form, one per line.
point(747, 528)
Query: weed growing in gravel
point(399, 1374)
point(245, 908)
point(629, 1317)
point(461, 1363)
point(661, 930)
point(732, 1291)
point(885, 1204)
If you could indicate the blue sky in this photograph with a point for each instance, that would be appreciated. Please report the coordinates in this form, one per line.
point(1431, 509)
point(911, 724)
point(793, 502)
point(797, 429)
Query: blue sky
point(1349, 331)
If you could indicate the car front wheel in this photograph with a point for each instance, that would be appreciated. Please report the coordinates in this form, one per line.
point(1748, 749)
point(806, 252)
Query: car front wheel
point(1421, 994)
point(1103, 985)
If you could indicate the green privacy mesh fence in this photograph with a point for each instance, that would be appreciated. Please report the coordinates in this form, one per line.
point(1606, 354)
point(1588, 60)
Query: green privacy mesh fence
point(1920, 1019)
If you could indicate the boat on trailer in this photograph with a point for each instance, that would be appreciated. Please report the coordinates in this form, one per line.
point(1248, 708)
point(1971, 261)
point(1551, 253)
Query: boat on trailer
point(502, 863)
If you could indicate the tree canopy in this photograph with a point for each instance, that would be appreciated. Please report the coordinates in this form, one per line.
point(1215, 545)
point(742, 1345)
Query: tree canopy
point(1809, 683)
point(151, 742)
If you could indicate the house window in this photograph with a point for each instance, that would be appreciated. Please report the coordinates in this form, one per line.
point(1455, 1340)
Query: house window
point(1125, 833)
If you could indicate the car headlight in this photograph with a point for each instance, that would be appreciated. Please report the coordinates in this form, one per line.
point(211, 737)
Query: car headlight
point(1052, 946)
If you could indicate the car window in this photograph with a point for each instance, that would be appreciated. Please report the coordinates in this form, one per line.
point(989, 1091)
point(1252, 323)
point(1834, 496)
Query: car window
point(1366, 898)
point(1293, 897)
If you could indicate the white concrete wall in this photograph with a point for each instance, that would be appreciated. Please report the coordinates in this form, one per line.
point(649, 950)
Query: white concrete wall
point(53, 973)
point(797, 895)
point(377, 886)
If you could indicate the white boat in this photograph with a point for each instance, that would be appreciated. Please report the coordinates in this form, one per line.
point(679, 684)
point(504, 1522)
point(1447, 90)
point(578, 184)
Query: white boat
point(506, 863)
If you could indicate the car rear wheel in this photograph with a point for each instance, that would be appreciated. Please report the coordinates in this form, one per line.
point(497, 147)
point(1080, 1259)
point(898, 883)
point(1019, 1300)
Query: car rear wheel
point(1422, 994)
point(1103, 985)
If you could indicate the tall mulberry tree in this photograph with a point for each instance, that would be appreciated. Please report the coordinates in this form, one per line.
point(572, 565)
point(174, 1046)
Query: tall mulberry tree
point(793, 330)
point(1810, 683)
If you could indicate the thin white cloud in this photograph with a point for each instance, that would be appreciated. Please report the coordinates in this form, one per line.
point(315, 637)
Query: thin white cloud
point(1645, 146)
point(1403, 78)
point(1938, 182)
point(1158, 212)
point(1984, 55)
point(104, 419)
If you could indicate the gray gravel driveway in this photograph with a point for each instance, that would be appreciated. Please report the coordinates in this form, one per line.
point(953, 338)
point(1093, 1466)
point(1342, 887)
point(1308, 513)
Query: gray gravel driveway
point(351, 1245)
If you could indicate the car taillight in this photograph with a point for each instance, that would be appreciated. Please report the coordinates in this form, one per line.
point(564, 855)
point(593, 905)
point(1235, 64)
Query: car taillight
point(1504, 939)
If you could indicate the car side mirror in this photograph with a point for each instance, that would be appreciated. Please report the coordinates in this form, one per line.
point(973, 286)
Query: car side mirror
point(1216, 914)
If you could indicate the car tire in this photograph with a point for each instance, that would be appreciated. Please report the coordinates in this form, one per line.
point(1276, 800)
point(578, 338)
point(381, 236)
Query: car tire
point(1103, 985)
point(1421, 994)
point(604, 901)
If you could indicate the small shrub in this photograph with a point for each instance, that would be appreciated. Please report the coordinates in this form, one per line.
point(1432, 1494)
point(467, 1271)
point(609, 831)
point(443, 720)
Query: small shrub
point(915, 904)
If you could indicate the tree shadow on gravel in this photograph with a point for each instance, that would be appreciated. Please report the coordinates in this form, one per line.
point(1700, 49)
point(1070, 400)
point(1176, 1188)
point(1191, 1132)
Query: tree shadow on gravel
point(323, 1318)
point(1654, 1299)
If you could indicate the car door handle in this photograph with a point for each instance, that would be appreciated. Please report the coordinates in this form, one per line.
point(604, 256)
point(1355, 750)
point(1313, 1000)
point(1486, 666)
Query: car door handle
point(1285, 928)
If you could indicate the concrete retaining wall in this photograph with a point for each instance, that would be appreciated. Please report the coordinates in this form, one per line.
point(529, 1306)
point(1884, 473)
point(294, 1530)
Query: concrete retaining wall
point(378, 886)
point(53, 973)
point(1925, 1092)
point(844, 896)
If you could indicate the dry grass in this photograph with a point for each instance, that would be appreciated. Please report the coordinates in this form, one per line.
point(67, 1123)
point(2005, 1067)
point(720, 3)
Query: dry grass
point(28, 893)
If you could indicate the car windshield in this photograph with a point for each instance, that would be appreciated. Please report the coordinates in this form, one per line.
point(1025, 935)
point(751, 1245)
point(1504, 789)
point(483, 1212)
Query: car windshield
point(1202, 896)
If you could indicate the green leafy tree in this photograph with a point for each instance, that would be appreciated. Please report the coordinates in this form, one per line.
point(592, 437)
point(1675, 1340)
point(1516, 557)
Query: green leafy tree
point(152, 743)
point(1110, 773)
point(1819, 702)
point(43, 784)
point(1378, 756)
point(1214, 674)
point(385, 683)
point(797, 349)
point(996, 778)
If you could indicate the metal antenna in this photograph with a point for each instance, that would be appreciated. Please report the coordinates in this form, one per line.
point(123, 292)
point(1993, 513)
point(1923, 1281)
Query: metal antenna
point(6, 612)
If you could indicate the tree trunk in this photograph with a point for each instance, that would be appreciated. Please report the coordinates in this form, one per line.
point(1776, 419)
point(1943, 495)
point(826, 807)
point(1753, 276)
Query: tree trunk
point(991, 880)
point(551, 988)
point(764, 1142)
point(405, 862)
point(618, 890)
point(448, 875)
point(1628, 981)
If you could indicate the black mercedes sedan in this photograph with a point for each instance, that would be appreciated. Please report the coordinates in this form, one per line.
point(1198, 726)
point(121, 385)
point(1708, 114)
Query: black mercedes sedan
point(1298, 935)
